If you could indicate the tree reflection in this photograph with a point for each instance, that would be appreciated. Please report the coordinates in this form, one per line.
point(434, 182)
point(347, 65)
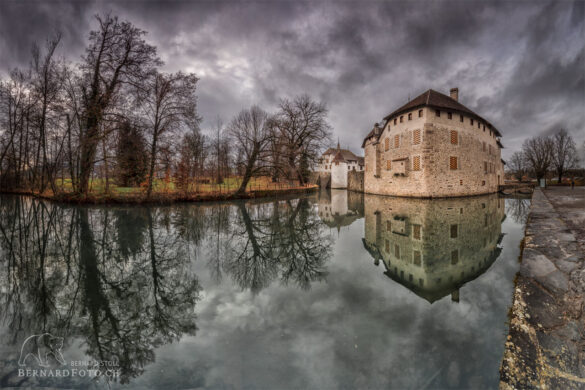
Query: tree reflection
point(282, 239)
point(115, 279)
point(120, 281)
point(518, 209)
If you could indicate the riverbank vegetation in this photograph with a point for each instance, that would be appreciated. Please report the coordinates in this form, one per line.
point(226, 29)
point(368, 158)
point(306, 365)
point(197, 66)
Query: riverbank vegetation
point(116, 126)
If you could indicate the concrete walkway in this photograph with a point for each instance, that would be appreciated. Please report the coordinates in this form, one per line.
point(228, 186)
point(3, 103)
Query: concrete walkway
point(546, 343)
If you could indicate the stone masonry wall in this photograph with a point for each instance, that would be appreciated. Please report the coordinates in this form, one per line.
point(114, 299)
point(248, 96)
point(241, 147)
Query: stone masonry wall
point(355, 181)
point(435, 178)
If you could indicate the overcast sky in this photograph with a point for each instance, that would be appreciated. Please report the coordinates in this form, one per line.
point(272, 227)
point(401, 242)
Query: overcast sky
point(519, 64)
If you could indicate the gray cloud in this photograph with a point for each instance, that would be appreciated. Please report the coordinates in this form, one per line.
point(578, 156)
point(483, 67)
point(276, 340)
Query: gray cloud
point(519, 64)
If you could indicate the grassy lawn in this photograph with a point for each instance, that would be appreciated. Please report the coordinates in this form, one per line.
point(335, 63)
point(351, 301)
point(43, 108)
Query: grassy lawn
point(160, 186)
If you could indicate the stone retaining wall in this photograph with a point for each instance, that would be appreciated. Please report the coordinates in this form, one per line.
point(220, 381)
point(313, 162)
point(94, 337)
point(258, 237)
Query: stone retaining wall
point(545, 348)
point(355, 181)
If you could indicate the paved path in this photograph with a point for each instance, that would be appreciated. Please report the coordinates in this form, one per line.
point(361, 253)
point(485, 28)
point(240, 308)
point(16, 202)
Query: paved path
point(546, 342)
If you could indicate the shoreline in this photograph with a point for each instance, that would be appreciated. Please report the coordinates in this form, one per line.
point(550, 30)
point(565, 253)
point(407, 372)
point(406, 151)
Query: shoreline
point(545, 346)
point(162, 199)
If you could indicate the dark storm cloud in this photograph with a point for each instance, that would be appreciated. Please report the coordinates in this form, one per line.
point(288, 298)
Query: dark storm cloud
point(519, 64)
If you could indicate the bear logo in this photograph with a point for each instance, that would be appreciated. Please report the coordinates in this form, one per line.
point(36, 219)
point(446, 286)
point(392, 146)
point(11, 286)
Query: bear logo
point(41, 347)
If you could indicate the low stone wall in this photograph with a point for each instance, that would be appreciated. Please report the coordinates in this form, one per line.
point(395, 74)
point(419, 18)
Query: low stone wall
point(355, 181)
point(545, 348)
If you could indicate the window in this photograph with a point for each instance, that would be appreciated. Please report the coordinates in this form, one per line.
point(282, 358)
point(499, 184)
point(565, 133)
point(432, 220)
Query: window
point(471, 121)
point(461, 118)
point(416, 258)
point(416, 232)
point(453, 163)
point(416, 163)
point(461, 182)
point(388, 165)
point(397, 251)
point(401, 118)
point(388, 226)
point(410, 116)
point(490, 150)
point(420, 113)
point(416, 137)
point(483, 182)
point(387, 246)
point(387, 144)
point(485, 167)
point(449, 115)
point(483, 127)
point(478, 125)
point(396, 141)
point(395, 120)
point(437, 112)
point(483, 146)
point(454, 231)
point(454, 137)
point(454, 257)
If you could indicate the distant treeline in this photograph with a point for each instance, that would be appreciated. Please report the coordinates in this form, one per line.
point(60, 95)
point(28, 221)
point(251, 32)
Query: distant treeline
point(116, 116)
point(543, 156)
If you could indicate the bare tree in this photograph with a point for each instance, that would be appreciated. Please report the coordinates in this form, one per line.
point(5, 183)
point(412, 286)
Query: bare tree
point(304, 130)
point(47, 85)
point(117, 55)
point(538, 152)
point(252, 133)
point(517, 165)
point(564, 155)
point(167, 101)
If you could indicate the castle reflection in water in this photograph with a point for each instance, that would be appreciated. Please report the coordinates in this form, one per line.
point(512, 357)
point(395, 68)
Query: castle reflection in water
point(430, 246)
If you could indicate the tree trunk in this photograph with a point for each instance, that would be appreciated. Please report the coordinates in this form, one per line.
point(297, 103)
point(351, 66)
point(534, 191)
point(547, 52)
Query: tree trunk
point(152, 164)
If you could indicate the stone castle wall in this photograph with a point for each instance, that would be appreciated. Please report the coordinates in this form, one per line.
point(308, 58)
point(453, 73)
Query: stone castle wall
point(355, 181)
point(435, 178)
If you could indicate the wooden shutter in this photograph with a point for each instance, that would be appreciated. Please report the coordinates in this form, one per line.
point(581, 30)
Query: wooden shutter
point(388, 165)
point(416, 163)
point(416, 137)
point(453, 163)
point(454, 137)
point(396, 141)
point(386, 144)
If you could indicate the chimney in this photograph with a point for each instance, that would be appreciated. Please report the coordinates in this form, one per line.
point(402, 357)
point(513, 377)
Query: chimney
point(454, 93)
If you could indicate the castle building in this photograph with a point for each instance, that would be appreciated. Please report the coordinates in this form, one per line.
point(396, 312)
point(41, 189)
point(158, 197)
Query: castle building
point(338, 163)
point(433, 146)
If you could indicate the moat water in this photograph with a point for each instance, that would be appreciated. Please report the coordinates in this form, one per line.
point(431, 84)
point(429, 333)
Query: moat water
point(334, 290)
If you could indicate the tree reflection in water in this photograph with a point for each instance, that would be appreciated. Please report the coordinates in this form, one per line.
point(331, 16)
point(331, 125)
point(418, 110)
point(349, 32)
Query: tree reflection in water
point(115, 279)
point(119, 280)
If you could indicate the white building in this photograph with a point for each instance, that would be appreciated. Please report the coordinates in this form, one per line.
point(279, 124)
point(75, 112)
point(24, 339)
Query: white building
point(338, 162)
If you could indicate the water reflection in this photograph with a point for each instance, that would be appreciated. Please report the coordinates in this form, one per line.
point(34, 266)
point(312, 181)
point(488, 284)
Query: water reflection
point(120, 280)
point(262, 293)
point(114, 279)
point(433, 247)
